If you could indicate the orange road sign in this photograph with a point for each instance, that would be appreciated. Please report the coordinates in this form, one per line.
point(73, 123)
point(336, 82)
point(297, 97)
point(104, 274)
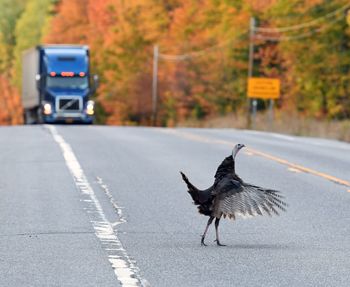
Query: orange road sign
point(263, 88)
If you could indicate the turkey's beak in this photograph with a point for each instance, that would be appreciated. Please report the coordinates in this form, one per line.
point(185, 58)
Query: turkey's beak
point(240, 147)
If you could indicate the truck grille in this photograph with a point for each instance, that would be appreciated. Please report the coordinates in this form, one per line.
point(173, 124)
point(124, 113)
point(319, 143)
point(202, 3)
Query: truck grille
point(71, 104)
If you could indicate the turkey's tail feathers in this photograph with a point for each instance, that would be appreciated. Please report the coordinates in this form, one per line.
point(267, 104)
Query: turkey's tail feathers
point(185, 179)
point(192, 190)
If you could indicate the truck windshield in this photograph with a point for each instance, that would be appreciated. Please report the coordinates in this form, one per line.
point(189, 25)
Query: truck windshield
point(68, 82)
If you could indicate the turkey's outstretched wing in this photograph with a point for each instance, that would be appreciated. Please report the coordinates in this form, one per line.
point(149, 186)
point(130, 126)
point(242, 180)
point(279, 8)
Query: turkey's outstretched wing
point(234, 198)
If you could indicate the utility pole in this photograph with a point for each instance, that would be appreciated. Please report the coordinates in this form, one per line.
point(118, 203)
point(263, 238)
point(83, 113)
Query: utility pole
point(253, 103)
point(154, 85)
point(271, 113)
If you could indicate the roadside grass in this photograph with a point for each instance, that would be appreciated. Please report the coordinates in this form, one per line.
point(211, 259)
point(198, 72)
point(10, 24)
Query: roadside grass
point(284, 123)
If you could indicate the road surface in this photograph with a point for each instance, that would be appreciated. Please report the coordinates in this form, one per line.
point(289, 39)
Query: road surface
point(106, 206)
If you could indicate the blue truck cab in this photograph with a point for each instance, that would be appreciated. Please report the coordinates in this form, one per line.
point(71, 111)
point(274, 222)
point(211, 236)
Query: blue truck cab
point(57, 85)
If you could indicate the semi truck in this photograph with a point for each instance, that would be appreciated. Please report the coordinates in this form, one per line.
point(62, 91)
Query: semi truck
point(57, 85)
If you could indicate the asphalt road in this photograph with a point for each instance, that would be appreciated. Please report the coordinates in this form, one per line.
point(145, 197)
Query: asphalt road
point(106, 206)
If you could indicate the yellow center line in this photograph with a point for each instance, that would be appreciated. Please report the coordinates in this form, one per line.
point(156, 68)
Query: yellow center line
point(301, 168)
point(193, 137)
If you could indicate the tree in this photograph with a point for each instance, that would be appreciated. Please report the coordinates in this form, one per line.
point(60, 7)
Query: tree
point(29, 31)
point(10, 112)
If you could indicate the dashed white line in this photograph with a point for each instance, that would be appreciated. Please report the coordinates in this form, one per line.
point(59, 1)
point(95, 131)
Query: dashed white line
point(124, 267)
point(114, 203)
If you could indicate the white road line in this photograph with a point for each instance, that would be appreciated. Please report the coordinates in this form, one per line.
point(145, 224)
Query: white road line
point(312, 141)
point(124, 267)
point(118, 209)
point(280, 136)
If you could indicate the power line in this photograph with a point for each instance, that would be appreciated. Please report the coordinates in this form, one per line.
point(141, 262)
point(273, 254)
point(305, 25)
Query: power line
point(204, 52)
point(298, 36)
point(182, 57)
point(288, 38)
point(303, 25)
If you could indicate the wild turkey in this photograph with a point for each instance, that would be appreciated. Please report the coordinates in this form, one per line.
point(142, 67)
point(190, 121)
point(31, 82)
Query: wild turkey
point(230, 196)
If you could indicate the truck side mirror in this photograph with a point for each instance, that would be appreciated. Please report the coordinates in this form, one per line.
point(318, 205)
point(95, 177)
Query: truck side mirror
point(95, 83)
point(38, 81)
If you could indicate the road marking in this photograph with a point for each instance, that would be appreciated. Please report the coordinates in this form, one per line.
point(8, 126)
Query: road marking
point(309, 141)
point(302, 168)
point(124, 267)
point(118, 209)
point(294, 166)
point(288, 138)
point(294, 170)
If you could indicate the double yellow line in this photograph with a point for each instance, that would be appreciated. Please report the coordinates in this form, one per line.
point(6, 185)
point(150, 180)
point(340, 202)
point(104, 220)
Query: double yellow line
point(292, 166)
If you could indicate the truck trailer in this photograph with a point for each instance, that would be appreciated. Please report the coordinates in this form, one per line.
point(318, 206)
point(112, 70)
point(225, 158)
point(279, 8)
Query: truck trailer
point(57, 85)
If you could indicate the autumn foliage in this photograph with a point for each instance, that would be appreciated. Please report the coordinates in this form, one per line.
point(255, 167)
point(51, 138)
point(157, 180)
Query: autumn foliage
point(11, 111)
point(203, 60)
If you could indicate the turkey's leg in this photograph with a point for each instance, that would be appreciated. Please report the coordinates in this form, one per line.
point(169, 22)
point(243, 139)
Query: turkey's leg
point(217, 220)
point(211, 218)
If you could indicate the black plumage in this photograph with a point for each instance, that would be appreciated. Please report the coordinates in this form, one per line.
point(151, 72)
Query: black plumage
point(230, 196)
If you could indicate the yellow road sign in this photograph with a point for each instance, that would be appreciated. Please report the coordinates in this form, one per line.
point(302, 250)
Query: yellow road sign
point(263, 88)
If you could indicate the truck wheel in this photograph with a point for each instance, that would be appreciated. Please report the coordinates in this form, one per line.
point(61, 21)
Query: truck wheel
point(39, 116)
point(27, 116)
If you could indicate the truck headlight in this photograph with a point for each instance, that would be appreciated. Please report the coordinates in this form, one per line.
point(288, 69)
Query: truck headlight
point(47, 109)
point(90, 106)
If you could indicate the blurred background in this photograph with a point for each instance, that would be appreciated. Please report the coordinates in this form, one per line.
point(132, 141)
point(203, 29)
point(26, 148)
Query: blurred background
point(187, 63)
